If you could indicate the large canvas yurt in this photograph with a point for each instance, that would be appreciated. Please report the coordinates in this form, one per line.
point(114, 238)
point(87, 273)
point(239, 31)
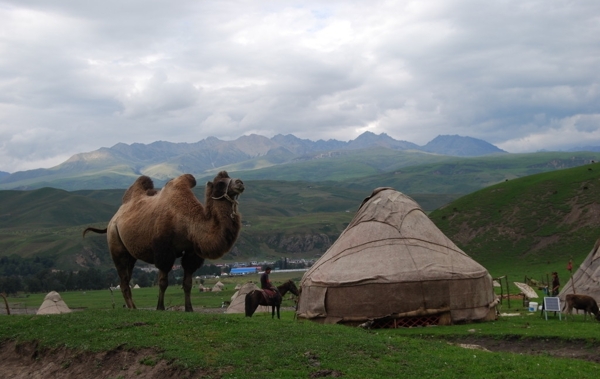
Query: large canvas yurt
point(393, 267)
point(586, 280)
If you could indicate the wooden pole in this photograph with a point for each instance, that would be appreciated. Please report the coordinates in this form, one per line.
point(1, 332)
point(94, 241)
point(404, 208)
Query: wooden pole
point(507, 290)
point(501, 290)
point(570, 269)
point(5, 302)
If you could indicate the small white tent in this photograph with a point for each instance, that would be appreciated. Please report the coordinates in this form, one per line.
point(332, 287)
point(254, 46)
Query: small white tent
point(218, 287)
point(53, 304)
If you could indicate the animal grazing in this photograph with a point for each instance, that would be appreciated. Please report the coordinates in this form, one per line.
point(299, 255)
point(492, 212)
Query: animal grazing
point(257, 297)
point(158, 227)
point(587, 303)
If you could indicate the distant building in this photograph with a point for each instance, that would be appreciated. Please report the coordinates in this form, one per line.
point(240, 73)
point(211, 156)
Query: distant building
point(244, 270)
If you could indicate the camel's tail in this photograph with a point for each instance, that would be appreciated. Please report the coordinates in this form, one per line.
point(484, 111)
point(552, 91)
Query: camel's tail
point(99, 231)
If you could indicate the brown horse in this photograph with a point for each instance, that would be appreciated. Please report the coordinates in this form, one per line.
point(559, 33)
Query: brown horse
point(258, 297)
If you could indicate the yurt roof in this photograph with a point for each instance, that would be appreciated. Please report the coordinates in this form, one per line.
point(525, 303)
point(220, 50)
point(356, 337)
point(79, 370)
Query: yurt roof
point(389, 240)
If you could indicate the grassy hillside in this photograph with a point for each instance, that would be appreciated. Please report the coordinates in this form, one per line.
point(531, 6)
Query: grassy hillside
point(49, 222)
point(528, 226)
point(300, 219)
point(281, 219)
point(466, 175)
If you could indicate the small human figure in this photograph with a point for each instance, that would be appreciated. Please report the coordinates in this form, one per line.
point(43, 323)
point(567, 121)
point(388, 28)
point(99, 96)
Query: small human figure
point(555, 284)
point(265, 283)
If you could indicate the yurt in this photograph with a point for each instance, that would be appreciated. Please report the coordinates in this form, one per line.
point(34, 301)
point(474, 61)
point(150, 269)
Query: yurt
point(586, 280)
point(218, 287)
point(53, 304)
point(238, 300)
point(393, 267)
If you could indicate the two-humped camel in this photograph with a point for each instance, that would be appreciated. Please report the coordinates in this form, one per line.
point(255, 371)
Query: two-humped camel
point(159, 226)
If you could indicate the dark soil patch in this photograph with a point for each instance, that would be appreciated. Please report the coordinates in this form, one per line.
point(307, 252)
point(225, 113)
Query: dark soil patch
point(574, 349)
point(28, 360)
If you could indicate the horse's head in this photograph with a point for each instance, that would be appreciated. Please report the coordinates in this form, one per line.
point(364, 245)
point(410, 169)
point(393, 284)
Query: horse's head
point(292, 287)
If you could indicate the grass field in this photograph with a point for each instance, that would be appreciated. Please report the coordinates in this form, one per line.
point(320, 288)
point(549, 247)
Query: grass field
point(233, 346)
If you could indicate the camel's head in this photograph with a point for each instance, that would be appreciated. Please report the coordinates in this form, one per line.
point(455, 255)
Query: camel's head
point(223, 186)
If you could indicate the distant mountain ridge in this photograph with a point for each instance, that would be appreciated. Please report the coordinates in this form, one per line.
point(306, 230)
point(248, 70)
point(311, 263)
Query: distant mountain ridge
point(113, 167)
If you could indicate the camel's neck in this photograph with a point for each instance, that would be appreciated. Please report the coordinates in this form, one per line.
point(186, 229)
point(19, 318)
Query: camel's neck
point(218, 228)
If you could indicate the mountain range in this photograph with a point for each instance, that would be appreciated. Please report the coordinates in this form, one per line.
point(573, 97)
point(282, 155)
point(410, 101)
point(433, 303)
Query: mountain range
point(115, 167)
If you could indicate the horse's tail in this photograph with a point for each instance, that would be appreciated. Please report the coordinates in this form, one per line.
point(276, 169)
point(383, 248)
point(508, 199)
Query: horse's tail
point(99, 231)
point(249, 304)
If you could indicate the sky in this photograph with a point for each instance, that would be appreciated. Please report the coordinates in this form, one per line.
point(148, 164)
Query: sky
point(76, 76)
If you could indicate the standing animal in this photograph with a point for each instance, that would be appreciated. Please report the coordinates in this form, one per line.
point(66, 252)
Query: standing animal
point(257, 297)
point(587, 303)
point(159, 226)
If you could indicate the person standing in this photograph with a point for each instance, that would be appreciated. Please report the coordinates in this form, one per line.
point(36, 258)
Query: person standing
point(555, 284)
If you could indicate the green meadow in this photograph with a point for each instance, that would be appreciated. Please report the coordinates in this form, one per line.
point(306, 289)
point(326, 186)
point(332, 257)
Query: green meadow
point(232, 346)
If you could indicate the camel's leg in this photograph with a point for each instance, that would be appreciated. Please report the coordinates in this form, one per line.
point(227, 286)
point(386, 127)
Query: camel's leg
point(163, 283)
point(163, 261)
point(124, 263)
point(190, 263)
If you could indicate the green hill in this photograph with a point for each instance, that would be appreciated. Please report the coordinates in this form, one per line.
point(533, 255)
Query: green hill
point(528, 226)
point(519, 219)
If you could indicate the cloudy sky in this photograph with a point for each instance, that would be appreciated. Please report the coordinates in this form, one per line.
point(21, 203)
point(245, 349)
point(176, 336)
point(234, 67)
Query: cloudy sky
point(79, 75)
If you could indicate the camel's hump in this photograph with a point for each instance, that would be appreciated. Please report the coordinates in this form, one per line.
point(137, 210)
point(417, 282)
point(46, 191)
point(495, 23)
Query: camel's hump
point(143, 186)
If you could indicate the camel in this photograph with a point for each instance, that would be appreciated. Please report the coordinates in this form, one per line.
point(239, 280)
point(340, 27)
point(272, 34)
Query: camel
point(158, 226)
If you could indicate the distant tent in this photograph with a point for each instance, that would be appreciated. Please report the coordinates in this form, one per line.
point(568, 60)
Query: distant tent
point(218, 287)
point(136, 286)
point(53, 304)
point(586, 279)
point(238, 300)
point(394, 267)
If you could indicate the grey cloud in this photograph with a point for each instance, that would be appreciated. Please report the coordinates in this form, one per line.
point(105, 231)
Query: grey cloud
point(76, 76)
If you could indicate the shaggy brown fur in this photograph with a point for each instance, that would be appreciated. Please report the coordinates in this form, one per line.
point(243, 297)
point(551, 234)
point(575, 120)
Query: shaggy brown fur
point(159, 226)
